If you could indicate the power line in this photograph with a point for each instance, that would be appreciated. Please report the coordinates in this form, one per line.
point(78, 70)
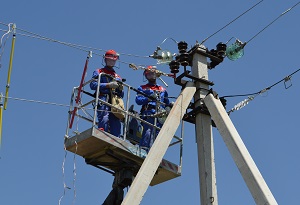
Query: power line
point(72, 45)
point(265, 89)
point(77, 46)
point(231, 22)
point(272, 22)
point(251, 96)
point(36, 101)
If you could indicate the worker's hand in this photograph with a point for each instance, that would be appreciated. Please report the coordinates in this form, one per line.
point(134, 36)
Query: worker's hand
point(171, 104)
point(153, 95)
point(112, 84)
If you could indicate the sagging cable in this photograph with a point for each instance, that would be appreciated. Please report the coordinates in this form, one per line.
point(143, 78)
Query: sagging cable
point(2, 44)
point(253, 95)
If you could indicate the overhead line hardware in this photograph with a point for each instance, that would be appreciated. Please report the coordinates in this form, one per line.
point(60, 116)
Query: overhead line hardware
point(236, 50)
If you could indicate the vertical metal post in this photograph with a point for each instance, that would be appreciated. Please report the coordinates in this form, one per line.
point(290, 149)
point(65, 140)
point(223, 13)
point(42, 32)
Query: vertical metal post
point(126, 124)
point(159, 147)
point(97, 99)
point(206, 162)
point(243, 160)
point(70, 110)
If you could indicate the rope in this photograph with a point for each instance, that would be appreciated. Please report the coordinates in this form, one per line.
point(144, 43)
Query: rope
point(74, 172)
point(63, 176)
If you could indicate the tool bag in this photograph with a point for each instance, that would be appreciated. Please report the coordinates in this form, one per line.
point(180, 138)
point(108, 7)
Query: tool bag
point(117, 102)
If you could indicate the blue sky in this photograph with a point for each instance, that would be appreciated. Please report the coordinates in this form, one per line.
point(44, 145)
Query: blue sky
point(32, 150)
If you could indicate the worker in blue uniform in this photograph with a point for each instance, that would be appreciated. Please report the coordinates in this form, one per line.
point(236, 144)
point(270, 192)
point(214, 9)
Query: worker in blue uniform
point(154, 94)
point(107, 121)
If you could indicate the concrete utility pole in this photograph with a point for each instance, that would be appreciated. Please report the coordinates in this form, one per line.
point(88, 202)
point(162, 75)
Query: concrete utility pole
point(203, 100)
point(206, 161)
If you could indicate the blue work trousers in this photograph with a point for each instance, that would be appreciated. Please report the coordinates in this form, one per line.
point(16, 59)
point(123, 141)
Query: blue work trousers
point(148, 135)
point(108, 121)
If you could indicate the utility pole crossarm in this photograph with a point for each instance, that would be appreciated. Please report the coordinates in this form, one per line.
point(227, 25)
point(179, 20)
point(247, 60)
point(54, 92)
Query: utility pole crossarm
point(159, 148)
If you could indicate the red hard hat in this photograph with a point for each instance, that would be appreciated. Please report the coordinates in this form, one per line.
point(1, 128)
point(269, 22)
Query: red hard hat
point(111, 54)
point(149, 69)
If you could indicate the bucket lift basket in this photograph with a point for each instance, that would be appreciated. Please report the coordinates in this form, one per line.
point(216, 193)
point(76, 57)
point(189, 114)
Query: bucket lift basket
point(107, 152)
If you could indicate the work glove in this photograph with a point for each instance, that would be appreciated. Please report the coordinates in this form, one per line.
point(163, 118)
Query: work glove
point(112, 84)
point(171, 104)
point(153, 95)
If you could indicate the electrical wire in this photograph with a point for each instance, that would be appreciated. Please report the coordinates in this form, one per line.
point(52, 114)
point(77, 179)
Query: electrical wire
point(76, 46)
point(83, 48)
point(226, 96)
point(272, 22)
point(251, 96)
point(265, 89)
point(231, 22)
point(72, 45)
point(2, 44)
point(37, 101)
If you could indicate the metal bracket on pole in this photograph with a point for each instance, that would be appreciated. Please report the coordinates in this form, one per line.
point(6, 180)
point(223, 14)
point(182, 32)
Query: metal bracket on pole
point(178, 80)
point(247, 167)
